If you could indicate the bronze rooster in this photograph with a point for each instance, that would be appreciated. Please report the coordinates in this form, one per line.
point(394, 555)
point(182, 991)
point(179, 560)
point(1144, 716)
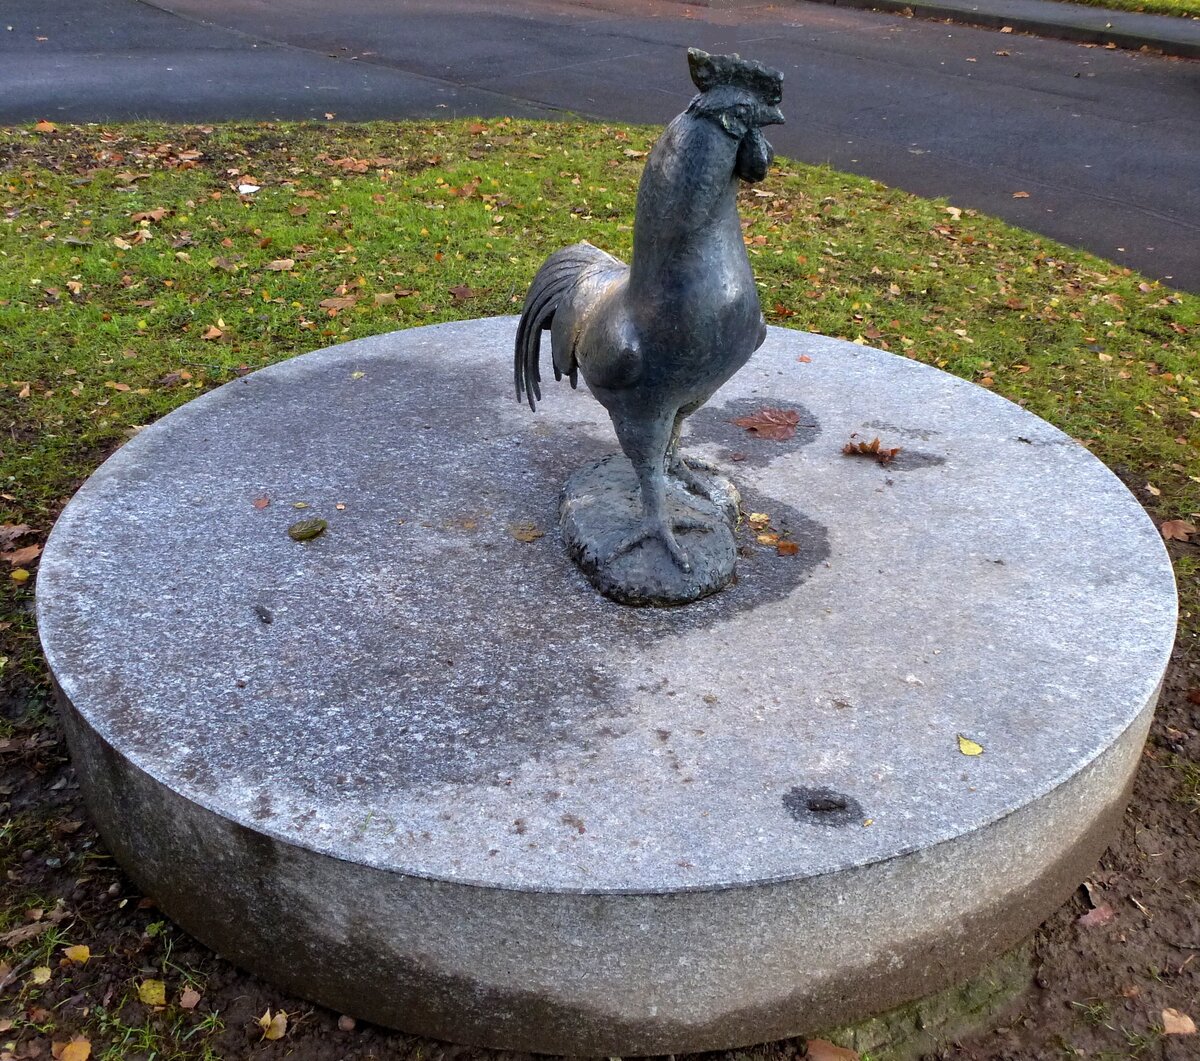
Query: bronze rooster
point(655, 339)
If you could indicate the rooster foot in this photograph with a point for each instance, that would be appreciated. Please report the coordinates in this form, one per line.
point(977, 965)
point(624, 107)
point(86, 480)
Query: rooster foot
point(686, 470)
point(664, 530)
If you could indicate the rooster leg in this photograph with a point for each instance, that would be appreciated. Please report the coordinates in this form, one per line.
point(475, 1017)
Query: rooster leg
point(683, 469)
point(656, 522)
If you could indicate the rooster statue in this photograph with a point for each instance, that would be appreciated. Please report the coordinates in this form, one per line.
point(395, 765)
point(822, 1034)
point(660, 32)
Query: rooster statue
point(655, 339)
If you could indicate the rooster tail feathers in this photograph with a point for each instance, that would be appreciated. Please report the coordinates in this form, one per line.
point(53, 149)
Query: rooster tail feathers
point(554, 281)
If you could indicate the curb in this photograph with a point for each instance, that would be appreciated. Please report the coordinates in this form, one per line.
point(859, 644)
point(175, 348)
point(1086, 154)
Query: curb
point(1072, 22)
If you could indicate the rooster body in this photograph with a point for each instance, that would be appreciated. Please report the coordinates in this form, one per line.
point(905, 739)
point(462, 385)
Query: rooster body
point(655, 339)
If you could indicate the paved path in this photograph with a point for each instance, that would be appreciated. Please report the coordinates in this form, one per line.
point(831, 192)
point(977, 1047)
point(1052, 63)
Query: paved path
point(1106, 143)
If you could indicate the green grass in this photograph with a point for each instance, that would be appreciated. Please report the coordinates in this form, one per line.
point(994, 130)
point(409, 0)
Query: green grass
point(109, 320)
point(1182, 8)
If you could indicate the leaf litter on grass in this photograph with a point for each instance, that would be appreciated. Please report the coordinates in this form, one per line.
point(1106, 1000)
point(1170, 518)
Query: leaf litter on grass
point(417, 223)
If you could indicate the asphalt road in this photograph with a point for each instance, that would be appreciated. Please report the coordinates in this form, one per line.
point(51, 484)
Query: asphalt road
point(1105, 143)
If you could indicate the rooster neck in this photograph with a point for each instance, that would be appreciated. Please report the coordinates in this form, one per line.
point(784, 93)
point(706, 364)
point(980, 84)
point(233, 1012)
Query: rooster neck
point(687, 199)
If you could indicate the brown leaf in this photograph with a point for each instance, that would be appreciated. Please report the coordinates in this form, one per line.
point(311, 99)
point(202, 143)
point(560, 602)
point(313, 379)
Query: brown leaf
point(1102, 915)
point(804, 359)
point(787, 548)
point(212, 332)
point(526, 531)
point(262, 502)
point(1177, 530)
point(1020, 195)
point(157, 214)
point(874, 449)
point(1177, 1023)
point(10, 532)
point(385, 298)
point(21, 557)
point(776, 424)
point(23, 934)
point(76, 1050)
point(45, 127)
point(462, 292)
point(824, 1050)
point(335, 305)
point(281, 265)
point(189, 998)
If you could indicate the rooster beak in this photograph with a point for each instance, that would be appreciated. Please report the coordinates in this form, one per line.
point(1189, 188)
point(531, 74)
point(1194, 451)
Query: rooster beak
point(771, 116)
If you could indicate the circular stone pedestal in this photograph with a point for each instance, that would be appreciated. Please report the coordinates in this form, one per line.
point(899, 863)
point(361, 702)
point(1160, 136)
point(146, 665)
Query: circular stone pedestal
point(417, 769)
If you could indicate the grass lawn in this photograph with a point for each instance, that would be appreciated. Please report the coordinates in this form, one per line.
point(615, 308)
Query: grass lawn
point(134, 275)
point(1182, 8)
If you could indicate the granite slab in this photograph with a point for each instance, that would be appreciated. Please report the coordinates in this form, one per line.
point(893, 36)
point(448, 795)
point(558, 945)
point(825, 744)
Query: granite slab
point(429, 704)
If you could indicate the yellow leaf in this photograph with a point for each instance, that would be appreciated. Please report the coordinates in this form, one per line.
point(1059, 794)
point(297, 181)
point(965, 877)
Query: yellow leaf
point(758, 520)
point(20, 575)
point(968, 746)
point(153, 992)
point(76, 1050)
point(274, 1027)
point(80, 953)
point(1177, 1023)
point(40, 975)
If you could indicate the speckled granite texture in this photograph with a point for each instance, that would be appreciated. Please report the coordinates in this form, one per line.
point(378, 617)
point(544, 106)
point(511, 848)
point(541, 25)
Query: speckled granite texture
point(470, 797)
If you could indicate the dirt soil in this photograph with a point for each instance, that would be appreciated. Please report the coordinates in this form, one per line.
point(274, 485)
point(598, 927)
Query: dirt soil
point(1101, 983)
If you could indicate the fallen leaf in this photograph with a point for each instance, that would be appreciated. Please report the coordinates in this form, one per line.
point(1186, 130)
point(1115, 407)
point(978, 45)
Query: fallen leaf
point(189, 998)
point(40, 975)
point(20, 575)
point(157, 214)
point(76, 1050)
point(20, 557)
point(804, 359)
point(113, 385)
point(281, 265)
point(1177, 530)
point(968, 746)
point(261, 502)
point(153, 992)
point(307, 529)
point(122, 244)
point(274, 1027)
point(1102, 915)
point(874, 448)
point(212, 332)
point(758, 520)
point(79, 953)
point(10, 532)
point(15, 936)
point(346, 1023)
point(1177, 1023)
point(1020, 195)
point(787, 548)
point(334, 305)
point(824, 1050)
point(385, 298)
point(45, 127)
point(526, 531)
point(462, 292)
point(248, 189)
point(775, 424)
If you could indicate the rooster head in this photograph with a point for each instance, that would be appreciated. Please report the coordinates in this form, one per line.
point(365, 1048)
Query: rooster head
point(741, 96)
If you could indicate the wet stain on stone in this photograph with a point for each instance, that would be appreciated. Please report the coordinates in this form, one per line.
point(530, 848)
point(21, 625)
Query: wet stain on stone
point(822, 806)
point(911, 460)
point(714, 424)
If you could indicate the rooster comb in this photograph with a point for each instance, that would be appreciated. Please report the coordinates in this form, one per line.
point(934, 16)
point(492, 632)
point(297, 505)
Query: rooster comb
point(709, 71)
